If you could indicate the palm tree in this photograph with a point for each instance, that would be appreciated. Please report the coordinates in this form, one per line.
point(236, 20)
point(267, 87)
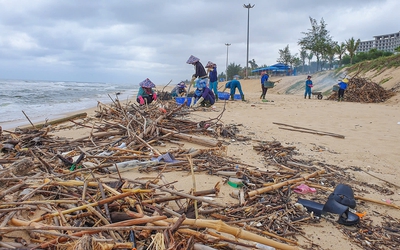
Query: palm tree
point(253, 64)
point(340, 51)
point(351, 46)
point(330, 53)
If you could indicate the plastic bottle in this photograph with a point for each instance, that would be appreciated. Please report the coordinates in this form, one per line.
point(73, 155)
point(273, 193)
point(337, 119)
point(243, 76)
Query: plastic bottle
point(239, 173)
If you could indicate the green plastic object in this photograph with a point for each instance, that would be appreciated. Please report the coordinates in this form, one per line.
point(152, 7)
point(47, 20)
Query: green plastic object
point(269, 84)
point(235, 182)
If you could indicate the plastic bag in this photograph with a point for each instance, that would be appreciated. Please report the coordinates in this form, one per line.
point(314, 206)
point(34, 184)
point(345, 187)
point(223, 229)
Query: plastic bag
point(304, 189)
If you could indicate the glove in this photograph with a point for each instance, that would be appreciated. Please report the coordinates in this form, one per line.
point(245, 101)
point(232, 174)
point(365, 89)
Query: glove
point(191, 102)
point(141, 100)
point(154, 96)
point(201, 99)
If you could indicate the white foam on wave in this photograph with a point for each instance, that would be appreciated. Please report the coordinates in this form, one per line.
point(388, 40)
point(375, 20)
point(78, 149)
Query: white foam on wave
point(43, 101)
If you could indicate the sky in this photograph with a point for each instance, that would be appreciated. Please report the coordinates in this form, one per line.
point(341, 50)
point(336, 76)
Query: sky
point(127, 41)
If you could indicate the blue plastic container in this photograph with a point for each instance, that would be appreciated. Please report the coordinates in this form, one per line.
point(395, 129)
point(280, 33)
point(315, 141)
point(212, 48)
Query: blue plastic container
point(237, 97)
point(335, 88)
point(223, 95)
point(181, 100)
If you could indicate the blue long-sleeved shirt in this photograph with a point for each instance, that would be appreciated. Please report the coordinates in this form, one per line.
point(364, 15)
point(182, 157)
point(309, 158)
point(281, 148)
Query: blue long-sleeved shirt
point(232, 83)
point(264, 78)
point(342, 85)
point(213, 75)
point(308, 84)
point(206, 93)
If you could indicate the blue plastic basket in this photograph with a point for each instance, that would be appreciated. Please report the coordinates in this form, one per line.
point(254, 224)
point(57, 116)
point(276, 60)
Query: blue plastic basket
point(269, 84)
point(181, 100)
point(223, 95)
point(237, 97)
point(335, 88)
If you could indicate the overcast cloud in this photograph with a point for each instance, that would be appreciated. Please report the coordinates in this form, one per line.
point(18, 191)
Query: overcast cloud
point(126, 41)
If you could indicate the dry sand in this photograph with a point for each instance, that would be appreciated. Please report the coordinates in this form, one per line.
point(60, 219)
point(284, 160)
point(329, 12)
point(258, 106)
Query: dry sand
point(371, 143)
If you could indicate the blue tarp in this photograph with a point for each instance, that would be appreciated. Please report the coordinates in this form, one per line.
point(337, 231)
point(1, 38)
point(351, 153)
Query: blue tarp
point(270, 68)
point(279, 67)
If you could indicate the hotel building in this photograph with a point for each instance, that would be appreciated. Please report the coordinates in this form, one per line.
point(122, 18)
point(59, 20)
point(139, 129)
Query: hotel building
point(384, 42)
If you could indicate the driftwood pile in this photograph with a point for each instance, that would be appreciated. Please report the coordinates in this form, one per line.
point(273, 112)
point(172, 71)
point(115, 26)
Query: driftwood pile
point(59, 193)
point(365, 91)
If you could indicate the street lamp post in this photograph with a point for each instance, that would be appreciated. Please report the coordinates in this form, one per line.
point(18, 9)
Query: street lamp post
point(248, 7)
point(226, 69)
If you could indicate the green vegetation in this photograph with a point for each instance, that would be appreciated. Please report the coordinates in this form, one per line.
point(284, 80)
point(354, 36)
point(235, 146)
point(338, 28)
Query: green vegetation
point(385, 80)
point(295, 87)
point(378, 64)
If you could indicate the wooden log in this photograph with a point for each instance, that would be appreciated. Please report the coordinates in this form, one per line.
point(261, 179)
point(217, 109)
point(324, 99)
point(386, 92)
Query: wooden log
point(57, 121)
point(192, 138)
point(8, 160)
point(99, 135)
point(12, 189)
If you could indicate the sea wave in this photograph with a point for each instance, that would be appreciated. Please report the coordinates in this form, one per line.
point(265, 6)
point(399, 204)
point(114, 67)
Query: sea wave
point(47, 99)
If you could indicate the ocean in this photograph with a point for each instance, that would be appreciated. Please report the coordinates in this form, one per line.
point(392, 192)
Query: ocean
point(47, 100)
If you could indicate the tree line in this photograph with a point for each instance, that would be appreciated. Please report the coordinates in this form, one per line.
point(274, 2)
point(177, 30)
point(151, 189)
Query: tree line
point(317, 43)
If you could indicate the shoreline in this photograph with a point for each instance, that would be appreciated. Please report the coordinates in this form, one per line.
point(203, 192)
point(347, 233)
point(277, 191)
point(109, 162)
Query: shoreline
point(24, 123)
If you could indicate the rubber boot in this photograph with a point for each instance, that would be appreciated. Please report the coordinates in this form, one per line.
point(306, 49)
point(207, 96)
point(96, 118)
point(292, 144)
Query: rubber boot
point(232, 97)
point(263, 97)
point(243, 98)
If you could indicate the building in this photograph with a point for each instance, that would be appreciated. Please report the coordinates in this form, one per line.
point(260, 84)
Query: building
point(384, 42)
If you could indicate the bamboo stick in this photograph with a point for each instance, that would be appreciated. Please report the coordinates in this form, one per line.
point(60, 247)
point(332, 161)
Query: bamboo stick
point(126, 223)
point(220, 226)
point(45, 227)
point(196, 212)
point(247, 227)
point(285, 183)
point(58, 121)
point(308, 130)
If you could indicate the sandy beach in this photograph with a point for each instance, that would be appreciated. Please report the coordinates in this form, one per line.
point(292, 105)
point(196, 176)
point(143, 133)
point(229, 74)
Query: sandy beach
point(367, 149)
